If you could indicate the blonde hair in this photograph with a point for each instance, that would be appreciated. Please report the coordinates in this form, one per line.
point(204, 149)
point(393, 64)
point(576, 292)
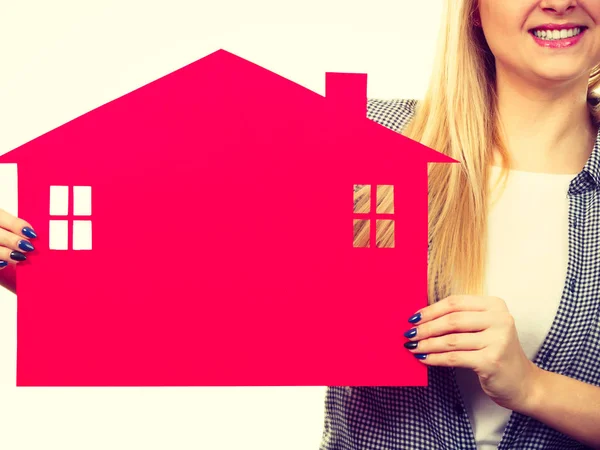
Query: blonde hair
point(458, 117)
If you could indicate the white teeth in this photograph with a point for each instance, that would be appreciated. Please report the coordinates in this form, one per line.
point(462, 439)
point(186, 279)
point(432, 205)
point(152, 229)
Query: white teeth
point(551, 35)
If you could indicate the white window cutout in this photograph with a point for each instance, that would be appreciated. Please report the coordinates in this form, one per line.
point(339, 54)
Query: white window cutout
point(59, 235)
point(82, 235)
point(59, 200)
point(82, 200)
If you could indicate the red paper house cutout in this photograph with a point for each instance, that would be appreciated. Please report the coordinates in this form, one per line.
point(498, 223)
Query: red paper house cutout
point(220, 204)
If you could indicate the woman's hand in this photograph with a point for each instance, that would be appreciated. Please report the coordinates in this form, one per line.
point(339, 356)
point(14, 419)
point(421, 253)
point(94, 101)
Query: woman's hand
point(477, 333)
point(14, 244)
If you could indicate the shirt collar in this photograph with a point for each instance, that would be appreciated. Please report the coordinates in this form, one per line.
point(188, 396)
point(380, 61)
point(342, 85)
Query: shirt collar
point(592, 166)
point(589, 177)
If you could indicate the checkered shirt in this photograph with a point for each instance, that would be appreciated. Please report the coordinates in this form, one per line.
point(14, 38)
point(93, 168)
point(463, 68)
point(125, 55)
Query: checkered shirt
point(434, 417)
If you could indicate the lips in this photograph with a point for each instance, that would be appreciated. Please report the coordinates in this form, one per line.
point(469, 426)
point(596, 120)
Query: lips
point(555, 39)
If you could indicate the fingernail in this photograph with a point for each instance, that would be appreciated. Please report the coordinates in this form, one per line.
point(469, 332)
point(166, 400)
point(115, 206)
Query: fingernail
point(420, 355)
point(17, 256)
point(3, 263)
point(415, 318)
point(411, 345)
point(411, 333)
point(29, 232)
point(25, 245)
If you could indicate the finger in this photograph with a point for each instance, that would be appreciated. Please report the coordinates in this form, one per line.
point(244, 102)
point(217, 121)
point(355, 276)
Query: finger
point(450, 304)
point(16, 225)
point(451, 342)
point(15, 242)
point(452, 359)
point(12, 256)
point(456, 322)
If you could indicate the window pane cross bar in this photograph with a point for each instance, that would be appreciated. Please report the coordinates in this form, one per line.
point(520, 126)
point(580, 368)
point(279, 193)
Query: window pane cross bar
point(70, 217)
point(373, 215)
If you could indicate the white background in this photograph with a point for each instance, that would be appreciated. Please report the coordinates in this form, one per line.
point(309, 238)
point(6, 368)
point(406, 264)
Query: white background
point(60, 59)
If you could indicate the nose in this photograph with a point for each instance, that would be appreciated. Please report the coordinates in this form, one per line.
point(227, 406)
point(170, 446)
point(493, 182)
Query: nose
point(558, 7)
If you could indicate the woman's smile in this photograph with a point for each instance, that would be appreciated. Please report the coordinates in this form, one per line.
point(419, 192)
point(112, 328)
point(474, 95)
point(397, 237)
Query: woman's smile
point(557, 36)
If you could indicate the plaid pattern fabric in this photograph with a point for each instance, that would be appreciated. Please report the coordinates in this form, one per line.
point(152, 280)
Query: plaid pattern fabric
point(434, 417)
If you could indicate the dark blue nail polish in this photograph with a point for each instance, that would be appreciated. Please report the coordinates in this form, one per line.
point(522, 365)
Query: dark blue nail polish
point(17, 256)
point(411, 345)
point(411, 333)
point(415, 318)
point(24, 245)
point(3, 263)
point(420, 355)
point(29, 232)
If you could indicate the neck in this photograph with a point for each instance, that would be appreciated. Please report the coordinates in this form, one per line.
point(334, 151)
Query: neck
point(546, 126)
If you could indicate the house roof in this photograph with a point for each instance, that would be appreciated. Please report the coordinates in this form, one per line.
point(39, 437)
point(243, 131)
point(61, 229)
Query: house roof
point(219, 91)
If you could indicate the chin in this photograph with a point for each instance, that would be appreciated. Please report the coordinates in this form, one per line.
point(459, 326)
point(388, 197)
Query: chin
point(558, 77)
point(561, 73)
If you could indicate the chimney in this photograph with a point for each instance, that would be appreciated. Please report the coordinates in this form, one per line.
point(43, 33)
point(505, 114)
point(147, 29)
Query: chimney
point(347, 91)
